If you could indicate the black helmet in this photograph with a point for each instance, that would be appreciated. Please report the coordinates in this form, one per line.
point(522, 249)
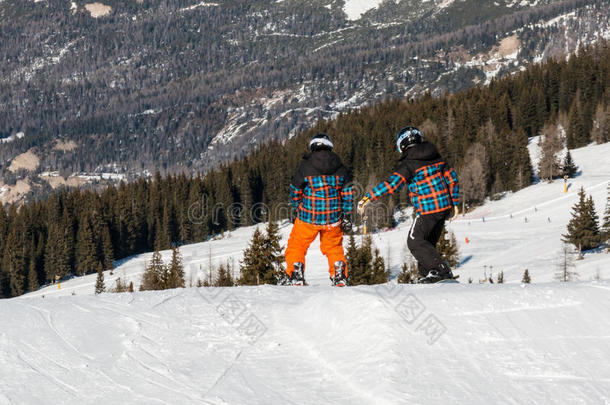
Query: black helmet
point(407, 137)
point(320, 142)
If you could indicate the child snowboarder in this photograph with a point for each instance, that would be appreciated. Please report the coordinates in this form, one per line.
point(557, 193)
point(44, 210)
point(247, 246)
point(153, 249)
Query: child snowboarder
point(321, 197)
point(434, 192)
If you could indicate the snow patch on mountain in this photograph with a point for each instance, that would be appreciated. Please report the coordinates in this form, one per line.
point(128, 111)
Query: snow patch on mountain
point(355, 8)
point(53, 58)
point(522, 3)
point(13, 137)
point(97, 10)
point(445, 4)
point(560, 19)
point(202, 4)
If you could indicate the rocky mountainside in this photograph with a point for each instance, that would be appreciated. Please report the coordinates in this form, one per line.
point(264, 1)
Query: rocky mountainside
point(172, 85)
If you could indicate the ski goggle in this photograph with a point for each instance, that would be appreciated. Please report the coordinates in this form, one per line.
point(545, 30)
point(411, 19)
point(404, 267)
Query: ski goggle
point(321, 141)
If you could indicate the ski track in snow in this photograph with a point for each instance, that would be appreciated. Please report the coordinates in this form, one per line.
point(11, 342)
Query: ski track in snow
point(326, 345)
point(322, 345)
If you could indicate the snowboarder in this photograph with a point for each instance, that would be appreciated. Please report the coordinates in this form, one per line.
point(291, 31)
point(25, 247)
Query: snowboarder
point(321, 197)
point(434, 192)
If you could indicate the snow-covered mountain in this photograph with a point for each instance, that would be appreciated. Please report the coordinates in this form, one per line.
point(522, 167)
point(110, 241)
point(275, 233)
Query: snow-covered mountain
point(388, 344)
point(184, 85)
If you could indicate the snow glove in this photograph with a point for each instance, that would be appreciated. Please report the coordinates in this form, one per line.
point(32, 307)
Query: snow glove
point(362, 204)
point(456, 212)
point(346, 223)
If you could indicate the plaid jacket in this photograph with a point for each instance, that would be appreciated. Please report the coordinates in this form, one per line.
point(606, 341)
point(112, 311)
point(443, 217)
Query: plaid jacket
point(433, 185)
point(321, 192)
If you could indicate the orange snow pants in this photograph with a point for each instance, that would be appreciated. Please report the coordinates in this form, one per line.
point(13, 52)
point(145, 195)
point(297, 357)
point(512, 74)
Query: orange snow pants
point(331, 244)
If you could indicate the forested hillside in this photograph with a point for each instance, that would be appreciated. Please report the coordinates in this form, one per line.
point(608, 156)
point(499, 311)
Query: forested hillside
point(484, 128)
point(132, 87)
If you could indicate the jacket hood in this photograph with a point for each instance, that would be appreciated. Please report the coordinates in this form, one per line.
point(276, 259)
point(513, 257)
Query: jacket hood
point(325, 161)
point(422, 151)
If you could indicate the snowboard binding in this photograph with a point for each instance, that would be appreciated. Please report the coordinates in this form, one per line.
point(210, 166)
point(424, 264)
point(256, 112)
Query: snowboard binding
point(298, 274)
point(434, 276)
point(340, 279)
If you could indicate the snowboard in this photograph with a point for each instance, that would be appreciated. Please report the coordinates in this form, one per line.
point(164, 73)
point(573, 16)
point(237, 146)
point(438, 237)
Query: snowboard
point(449, 280)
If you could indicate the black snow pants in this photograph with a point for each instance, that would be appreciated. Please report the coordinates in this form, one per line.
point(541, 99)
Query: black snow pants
point(423, 237)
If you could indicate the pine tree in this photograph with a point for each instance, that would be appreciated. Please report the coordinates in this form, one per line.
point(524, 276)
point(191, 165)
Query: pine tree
point(85, 251)
point(57, 256)
point(577, 135)
point(162, 241)
point(107, 251)
point(32, 277)
point(565, 266)
point(379, 273)
point(154, 274)
point(583, 231)
point(275, 258)
point(263, 261)
point(253, 264)
point(520, 169)
point(351, 253)
point(448, 248)
point(605, 231)
point(224, 278)
point(526, 277)
point(100, 287)
point(408, 274)
point(175, 271)
point(365, 265)
point(13, 262)
point(569, 168)
point(359, 262)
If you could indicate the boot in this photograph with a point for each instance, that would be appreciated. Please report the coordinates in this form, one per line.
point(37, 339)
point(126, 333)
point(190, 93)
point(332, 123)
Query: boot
point(298, 274)
point(434, 276)
point(340, 280)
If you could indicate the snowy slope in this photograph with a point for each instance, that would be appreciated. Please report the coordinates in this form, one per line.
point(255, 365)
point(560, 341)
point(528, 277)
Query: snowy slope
point(496, 239)
point(391, 344)
point(408, 344)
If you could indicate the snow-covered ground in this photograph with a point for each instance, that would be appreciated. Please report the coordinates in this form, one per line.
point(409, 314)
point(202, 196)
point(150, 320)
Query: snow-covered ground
point(472, 344)
point(392, 344)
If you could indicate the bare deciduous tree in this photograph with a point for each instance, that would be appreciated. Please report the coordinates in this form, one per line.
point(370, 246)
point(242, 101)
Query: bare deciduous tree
point(600, 133)
point(551, 144)
point(474, 175)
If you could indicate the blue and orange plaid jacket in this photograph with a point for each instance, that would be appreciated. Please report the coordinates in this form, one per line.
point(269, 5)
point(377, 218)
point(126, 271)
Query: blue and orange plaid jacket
point(321, 192)
point(433, 185)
